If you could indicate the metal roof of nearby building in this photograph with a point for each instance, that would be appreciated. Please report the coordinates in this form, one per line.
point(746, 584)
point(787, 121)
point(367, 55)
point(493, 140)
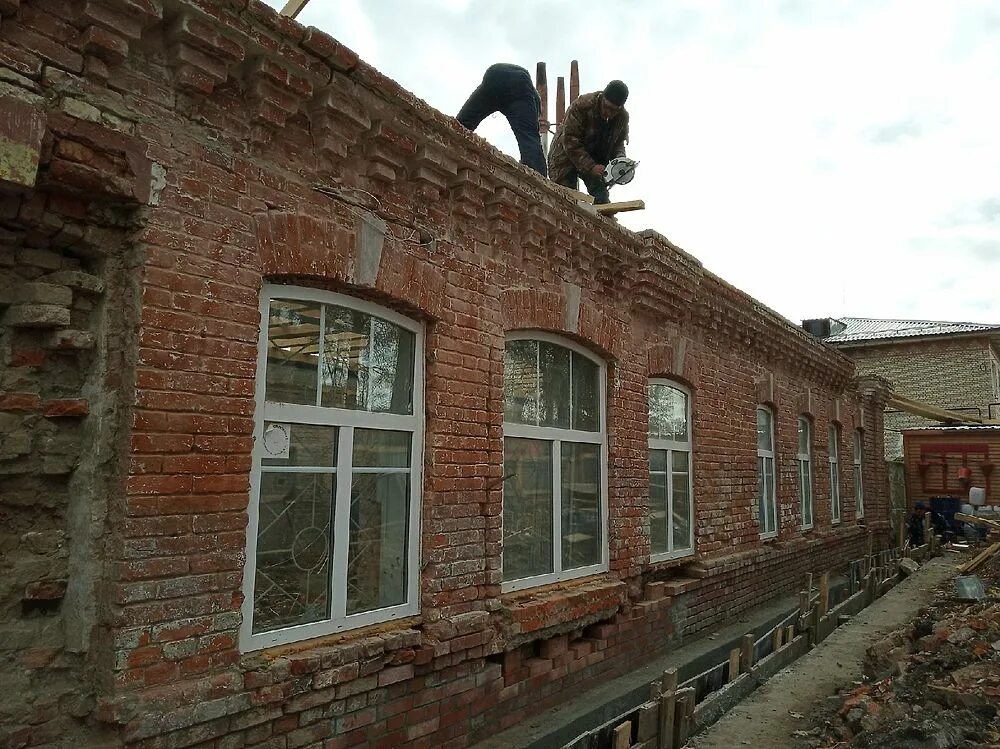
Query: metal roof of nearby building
point(867, 329)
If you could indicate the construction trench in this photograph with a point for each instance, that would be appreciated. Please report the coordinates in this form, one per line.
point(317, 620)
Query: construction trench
point(707, 690)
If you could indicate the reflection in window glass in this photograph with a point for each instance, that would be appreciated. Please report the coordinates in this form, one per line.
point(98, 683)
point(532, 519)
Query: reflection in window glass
point(581, 505)
point(859, 490)
point(671, 503)
point(803, 460)
point(527, 508)
point(553, 495)
point(767, 509)
point(322, 477)
point(292, 582)
point(292, 351)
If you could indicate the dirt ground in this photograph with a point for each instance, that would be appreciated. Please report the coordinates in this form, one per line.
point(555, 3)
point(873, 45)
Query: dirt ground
point(786, 710)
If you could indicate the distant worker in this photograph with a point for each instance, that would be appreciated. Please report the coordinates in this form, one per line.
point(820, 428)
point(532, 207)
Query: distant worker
point(594, 132)
point(508, 89)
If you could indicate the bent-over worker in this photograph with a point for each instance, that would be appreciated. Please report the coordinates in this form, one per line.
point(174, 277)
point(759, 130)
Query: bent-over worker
point(508, 89)
point(594, 132)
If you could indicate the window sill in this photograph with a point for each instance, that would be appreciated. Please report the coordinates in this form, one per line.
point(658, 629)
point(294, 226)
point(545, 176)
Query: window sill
point(772, 536)
point(671, 556)
point(552, 578)
point(562, 603)
point(392, 635)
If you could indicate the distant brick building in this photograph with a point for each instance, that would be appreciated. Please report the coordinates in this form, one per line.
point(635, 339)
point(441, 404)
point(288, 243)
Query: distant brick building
point(322, 423)
point(955, 366)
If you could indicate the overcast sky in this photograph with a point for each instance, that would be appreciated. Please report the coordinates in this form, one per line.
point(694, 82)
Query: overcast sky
point(829, 158)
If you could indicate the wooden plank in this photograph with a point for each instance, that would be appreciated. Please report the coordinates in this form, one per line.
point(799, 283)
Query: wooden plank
point(665, 733)
point(746, 652)
point(293, 8)
point(627, 205)
point(668, 682)
point(803, 602)
point(789, 633)
point(978, 521)
point(685, 716)
point(734, 663)
point(824, 593)
point(776, 639)
point(977, 560)
point(926, 410)
point(623, 736)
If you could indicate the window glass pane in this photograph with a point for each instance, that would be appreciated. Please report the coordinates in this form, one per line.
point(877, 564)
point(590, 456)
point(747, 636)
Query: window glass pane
point(553, 385)
point(803, 437)
point(667, 413)
point(292, 579)
point(377, 448)
point(376, 561)
point(857, 447)
point(658, 501)
point(586, 394)
point(520, 382)
point(769, 492)
point(527, 508)
point(581, 505)
point(292, 351)
point(834, 443)
point(367, 363)
point(761, 515)
point(304, 444)
point(764, 430)
point(681, 484)
point(859, 494)
point(805, 492)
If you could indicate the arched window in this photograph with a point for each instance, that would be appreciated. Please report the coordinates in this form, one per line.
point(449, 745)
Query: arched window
point(555, 456)
point(859, 491)
point(803, 460)
point(767, 503)
point(671, 530)
point(335, 484)
point(835, 472)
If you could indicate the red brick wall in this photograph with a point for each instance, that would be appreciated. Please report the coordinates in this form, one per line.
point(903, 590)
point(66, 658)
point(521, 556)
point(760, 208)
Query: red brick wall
point(239, 116)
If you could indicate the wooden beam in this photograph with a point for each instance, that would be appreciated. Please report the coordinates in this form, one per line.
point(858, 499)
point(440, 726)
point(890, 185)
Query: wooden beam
point(978, 521)
point(609, 209)
point(293, 8)
point(927, 411)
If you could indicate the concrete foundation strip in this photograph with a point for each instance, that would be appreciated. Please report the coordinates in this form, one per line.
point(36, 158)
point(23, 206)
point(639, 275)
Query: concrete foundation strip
point(674, 711)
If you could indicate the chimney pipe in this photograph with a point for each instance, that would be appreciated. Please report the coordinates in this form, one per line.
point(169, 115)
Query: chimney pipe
point(560, 100)
point(574, 81)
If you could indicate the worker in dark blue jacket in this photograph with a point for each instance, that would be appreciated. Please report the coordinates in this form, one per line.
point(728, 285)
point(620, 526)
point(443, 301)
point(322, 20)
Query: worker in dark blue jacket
point(508, 89)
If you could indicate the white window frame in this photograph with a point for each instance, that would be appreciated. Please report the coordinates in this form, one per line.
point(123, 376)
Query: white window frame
point(672, 446)
point(834, 459)
point(346, 420)
point(859, 491)
point(803, 461)
point(557, 436)
point(763, 456)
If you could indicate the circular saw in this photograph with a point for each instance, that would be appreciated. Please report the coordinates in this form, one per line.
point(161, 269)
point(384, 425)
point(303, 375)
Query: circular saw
point(619, 171)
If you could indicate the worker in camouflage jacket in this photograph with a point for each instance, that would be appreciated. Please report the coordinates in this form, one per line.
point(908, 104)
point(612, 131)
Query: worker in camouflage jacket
point(594, 132)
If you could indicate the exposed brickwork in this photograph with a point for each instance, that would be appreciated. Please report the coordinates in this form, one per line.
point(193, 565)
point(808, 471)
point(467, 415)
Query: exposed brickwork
point(130, 290)
point(952, 373)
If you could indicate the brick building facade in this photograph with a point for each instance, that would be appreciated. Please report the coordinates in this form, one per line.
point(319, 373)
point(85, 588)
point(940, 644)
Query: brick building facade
point(955, 366)
point(325, 424)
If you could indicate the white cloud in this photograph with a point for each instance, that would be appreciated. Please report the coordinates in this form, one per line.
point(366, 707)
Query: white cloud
point(828, 158)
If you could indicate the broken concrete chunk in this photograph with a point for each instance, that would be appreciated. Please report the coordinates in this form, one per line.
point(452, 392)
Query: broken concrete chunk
point(969, 588)
point(76, 279)
point(37, 292)
point(908, 566)
point(36, 316)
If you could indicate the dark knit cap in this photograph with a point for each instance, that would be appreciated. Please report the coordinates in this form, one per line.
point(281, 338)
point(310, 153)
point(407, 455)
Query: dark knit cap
point(616, 92)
